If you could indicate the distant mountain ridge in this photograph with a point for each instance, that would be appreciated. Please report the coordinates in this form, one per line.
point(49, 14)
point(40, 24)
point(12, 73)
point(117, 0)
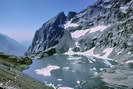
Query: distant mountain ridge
point(26, 43)
point(11, 46)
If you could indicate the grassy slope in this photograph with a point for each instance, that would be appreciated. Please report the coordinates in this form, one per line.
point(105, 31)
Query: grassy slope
point(10, 74)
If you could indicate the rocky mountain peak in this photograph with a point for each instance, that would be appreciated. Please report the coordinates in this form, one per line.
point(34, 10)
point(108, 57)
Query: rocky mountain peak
point(105, 12)
point(101, 14)
point(50, 35)
point(103, 1)
point(71, 14)
point(58, 19)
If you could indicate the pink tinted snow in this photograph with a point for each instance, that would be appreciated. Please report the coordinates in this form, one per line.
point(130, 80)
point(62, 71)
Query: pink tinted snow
point(80, 33)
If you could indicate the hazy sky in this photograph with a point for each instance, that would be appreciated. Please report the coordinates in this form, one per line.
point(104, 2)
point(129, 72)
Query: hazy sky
point(20, 19)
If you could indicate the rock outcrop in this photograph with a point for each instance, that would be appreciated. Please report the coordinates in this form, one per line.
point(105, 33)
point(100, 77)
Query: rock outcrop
point(51, 35)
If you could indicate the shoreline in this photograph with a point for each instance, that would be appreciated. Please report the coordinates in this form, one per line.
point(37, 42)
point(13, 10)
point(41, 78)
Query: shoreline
point(13, 78)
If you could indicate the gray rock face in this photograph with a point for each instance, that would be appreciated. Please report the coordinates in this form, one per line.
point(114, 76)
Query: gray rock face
point(71, 15)
point(105, 12)
point(116, 13)
point(49, 35)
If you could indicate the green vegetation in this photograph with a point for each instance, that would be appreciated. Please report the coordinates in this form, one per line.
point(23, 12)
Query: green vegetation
point(11, 75)
point(46, 53)
point(14, 78)
point(14, 61)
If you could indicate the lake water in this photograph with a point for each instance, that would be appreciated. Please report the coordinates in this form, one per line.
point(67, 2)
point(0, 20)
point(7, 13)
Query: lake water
point(68, 72)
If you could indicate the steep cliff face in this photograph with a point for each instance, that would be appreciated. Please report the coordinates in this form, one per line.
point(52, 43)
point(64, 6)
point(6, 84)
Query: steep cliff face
point(51, 36)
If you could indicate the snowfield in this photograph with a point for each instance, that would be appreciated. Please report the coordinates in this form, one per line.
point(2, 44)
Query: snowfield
point(124, 9)
point(90, 53)
point(129, 61)
point(80, 33)
point(65, 88)
point(69, 24)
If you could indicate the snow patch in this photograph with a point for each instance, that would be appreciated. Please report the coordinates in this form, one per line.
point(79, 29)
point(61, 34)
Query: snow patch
point(129, 53)
point(90, 61)
point(65, 88)
point(70, 24)
point(107, 52)
point(120, 52)
point(98, 28)
point(80, 33)
point(66, 68)
point(90, 53)
point(101, 69)
point(130, 61)
point(77, 62)
point(95, 73)
point(59, 79)
point(78, 82)
point(47, 71)
point(77, 44)
point(93, 69)
point(93, 59)
point(73, 58)
point(108, 63)
point(124, 9)
point(59, 85)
